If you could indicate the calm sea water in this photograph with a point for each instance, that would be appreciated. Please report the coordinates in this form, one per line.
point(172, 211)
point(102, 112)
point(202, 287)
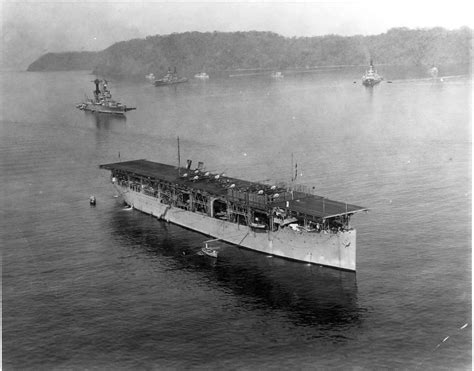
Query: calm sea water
point(104, 288)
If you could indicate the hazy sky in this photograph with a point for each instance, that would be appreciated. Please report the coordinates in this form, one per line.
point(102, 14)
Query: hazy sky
point(31, 28)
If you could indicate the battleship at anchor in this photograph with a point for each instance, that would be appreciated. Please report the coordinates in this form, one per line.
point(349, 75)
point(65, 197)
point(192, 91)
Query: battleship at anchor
point(102, 101)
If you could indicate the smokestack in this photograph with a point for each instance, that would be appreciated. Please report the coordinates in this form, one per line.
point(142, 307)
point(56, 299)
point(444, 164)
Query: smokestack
point(97, 90)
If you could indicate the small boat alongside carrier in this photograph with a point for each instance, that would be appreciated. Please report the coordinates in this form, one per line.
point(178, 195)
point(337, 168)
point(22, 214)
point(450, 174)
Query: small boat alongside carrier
point(209, 251)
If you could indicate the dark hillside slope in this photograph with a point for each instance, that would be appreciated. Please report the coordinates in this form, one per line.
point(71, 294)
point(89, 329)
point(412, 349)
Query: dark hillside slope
point(66, 61)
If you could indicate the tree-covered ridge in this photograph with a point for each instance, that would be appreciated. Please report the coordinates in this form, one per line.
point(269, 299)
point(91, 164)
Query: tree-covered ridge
point(219, 51)
point(66, 61)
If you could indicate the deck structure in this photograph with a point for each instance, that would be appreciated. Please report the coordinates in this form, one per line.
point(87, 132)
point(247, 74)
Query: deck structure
point(287, 221)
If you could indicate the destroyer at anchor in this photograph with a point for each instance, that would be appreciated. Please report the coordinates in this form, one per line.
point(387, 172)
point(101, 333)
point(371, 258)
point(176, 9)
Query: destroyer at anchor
point(102, 101)
point(288, 222)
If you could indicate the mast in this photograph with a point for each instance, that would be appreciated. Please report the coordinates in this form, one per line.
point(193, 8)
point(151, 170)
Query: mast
point(291, 171)
point(97, 88)
point(179, 159)
point(294, 175)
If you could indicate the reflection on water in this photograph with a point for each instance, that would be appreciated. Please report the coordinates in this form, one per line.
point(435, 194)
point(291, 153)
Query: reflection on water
point(104, 120)
point(103, 124)
point(310, 295)
point(370, 92)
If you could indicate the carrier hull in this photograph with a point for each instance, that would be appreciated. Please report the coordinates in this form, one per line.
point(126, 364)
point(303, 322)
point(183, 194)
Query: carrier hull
point(334, 249)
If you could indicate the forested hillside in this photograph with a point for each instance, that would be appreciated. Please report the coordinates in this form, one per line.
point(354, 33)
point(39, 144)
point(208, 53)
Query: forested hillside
point(66, 61)
point(217, 51)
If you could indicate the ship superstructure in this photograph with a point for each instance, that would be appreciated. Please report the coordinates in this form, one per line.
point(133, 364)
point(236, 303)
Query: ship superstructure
point(278, 220)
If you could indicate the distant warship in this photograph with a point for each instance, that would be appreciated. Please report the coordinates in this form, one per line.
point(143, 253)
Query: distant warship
point(371, 77)
point(170, 78)
point(102, 101)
